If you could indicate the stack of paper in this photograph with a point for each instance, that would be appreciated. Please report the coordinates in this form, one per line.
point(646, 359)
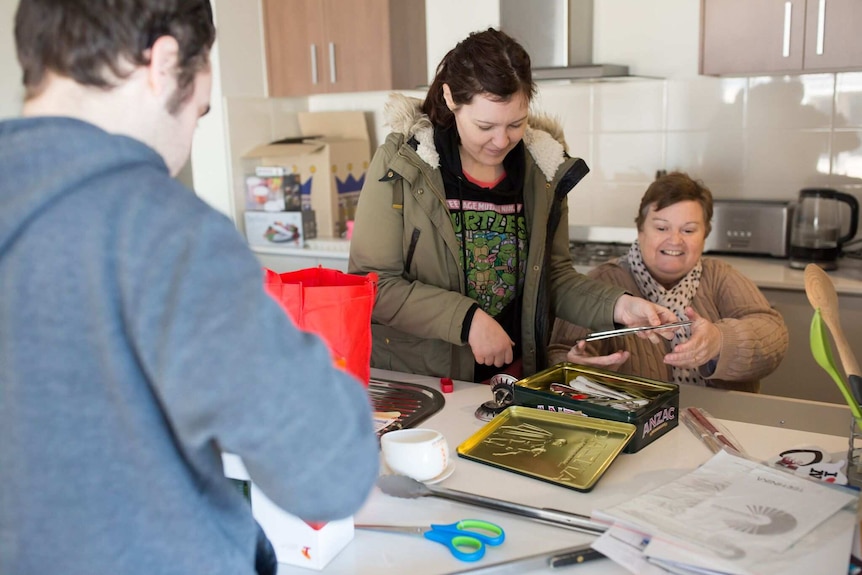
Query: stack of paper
point(733, 516)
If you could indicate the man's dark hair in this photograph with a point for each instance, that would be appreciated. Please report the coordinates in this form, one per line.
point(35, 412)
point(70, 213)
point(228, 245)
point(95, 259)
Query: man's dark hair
point(93, 41)
point(488, 62)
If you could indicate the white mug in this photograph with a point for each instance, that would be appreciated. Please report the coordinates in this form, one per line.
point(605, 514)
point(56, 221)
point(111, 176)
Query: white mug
point(419, 453)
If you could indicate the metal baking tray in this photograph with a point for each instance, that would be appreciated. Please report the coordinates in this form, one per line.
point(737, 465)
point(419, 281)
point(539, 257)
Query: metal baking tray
point(414, 403)
point(559, 448)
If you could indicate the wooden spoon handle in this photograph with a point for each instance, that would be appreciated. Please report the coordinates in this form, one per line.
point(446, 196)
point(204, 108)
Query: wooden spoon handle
point(821, 294)
point(848, 358)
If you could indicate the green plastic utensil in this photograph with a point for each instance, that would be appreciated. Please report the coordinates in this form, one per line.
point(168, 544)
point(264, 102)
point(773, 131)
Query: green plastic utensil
point(821, 349)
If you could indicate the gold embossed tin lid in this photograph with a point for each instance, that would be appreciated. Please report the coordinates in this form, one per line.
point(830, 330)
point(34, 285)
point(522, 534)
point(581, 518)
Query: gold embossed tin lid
point(560, 448)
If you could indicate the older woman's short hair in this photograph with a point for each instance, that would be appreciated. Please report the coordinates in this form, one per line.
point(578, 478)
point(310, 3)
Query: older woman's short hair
point(671, 189)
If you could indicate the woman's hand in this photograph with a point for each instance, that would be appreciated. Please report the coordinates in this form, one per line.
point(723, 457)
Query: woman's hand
point(703, 345)
point(579, 354)
point(634, 312)
point(490, 343)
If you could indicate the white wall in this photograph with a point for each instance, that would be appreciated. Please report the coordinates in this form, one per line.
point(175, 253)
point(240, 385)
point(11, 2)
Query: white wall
point(11, 93)
point(238, 70)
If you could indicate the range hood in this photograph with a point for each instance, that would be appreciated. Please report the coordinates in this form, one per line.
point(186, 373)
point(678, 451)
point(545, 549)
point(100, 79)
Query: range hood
point(558, 35)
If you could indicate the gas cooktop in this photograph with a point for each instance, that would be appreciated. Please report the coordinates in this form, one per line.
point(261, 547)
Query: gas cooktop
point(595, 253)
point(594, 245)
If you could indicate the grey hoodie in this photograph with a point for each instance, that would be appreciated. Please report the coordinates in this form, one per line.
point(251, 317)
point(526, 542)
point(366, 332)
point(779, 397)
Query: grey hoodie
point(136, 342)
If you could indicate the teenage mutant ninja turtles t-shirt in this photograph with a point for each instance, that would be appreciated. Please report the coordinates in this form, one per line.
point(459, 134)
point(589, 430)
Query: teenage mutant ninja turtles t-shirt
point(491, 229)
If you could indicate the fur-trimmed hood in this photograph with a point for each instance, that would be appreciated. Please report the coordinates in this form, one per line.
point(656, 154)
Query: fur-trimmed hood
point(543, 138)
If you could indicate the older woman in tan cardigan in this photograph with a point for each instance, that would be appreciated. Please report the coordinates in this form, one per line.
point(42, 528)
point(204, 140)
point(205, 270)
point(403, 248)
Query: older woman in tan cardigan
point(735, 338)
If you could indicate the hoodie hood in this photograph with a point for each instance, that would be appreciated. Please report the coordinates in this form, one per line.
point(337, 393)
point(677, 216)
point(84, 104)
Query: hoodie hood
point(44, 159)
point(543, 137)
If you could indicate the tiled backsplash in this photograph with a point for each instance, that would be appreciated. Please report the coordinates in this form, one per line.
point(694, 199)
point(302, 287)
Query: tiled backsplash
point(744, 137)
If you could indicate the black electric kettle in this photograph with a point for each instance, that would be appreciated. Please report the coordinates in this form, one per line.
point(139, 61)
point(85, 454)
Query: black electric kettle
point(816, 233)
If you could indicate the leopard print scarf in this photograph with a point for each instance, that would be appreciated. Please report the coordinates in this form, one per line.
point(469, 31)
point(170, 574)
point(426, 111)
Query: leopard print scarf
point(675, 299)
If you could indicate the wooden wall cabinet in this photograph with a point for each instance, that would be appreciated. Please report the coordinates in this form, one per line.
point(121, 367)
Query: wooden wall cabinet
point(780, 36)
point(330, 46)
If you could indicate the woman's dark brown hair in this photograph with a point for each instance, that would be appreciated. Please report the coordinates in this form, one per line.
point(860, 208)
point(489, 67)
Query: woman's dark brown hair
point(673, 188)
point(488, 62)
point(94, 41)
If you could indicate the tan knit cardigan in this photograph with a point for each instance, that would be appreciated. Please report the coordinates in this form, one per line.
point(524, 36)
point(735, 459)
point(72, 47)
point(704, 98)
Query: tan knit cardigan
point(754, 337)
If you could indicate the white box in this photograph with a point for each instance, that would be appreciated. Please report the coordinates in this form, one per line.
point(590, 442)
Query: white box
point(280, 229)
point(295, 541)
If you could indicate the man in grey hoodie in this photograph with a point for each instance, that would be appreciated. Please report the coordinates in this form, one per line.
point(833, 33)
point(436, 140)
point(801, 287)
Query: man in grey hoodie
point(136, 340)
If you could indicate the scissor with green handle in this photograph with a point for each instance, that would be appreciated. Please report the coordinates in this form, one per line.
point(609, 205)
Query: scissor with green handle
point(466, 539)
point(822, 352)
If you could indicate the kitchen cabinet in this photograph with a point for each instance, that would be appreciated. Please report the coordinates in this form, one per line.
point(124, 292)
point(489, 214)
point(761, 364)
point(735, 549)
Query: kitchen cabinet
point(780, 36)
point(329, 46)
point(799, 376)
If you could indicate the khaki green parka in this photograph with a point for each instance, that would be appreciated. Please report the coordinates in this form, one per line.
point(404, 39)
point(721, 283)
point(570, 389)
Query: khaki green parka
point(404, 233)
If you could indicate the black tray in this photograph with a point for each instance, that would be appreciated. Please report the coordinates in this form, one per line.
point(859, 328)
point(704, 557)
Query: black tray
point(415, 402)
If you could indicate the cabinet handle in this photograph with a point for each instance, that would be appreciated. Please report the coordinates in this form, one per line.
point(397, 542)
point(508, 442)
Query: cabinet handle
point(821, 26)
point(788, 15)
point(332, 62)
point(314, 64)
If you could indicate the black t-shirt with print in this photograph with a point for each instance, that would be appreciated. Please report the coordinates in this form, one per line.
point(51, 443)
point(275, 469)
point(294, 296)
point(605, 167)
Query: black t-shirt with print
point(492, 232)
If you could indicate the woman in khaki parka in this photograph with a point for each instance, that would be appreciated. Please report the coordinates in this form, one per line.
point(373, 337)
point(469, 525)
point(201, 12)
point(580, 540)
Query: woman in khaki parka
point(464, 218)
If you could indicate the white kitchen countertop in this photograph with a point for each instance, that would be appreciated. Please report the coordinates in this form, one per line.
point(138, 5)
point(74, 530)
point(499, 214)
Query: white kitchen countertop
point(315, 248)
point(775, 273)
point(667, 458)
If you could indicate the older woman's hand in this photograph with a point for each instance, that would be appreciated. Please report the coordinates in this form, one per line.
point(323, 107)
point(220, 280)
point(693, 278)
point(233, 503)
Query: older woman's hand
point(580, 354)
point(703, 345)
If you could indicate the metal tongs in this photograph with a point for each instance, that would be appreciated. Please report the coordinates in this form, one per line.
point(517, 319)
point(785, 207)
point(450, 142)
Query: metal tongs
point(627, 330)
point(587, 386)
point(592, 390)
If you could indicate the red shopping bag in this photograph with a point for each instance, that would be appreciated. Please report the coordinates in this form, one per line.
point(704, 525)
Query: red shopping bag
point(334, 305)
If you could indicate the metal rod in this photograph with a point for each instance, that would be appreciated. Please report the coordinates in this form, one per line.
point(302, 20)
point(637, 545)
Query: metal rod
point(332, 75)
point(573, 521)
point(627, 330)
point(314, 64)
point(549, 560)
point(821, 26)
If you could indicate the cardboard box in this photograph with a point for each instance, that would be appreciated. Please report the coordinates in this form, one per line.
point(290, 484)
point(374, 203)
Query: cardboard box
point(296, 542)
point(279, 229)
point(331, 158)
point(272, 192)
point(657, 417)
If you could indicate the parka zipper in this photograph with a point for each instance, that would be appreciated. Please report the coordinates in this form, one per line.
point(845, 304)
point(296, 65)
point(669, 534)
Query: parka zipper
point(414, 239)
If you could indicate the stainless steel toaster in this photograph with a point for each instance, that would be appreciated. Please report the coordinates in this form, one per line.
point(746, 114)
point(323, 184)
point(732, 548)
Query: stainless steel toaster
point(756, 227)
